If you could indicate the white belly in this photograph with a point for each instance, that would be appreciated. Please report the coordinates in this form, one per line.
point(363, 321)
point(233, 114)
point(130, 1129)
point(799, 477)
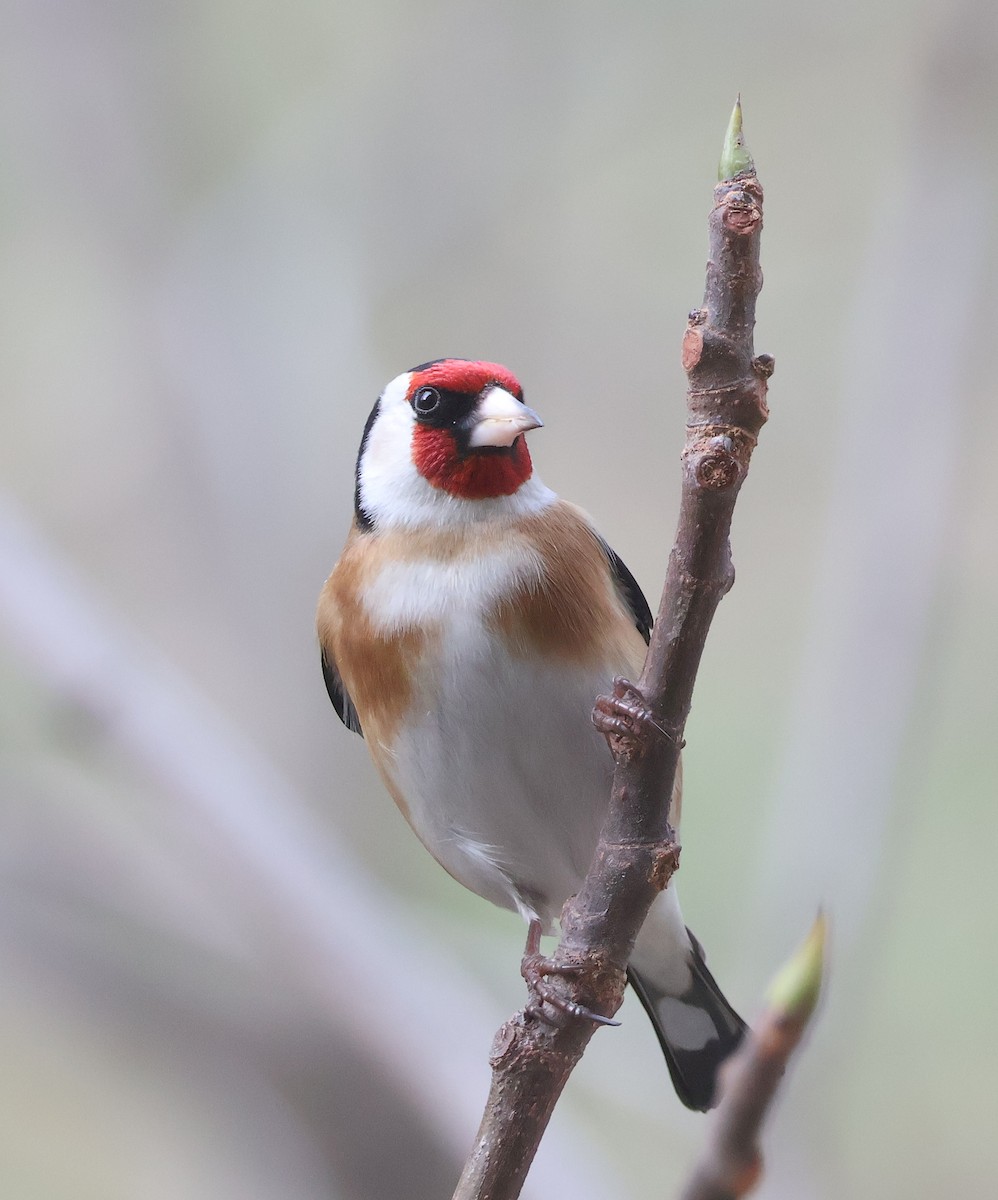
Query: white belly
point(505, 777)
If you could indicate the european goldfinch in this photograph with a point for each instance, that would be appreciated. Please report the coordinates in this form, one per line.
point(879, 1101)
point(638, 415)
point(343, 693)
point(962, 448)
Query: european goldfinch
point(466, 629)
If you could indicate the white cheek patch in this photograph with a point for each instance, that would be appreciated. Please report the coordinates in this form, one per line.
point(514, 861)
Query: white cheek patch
point(428, 591)
point(396, 496)
point(390, 485)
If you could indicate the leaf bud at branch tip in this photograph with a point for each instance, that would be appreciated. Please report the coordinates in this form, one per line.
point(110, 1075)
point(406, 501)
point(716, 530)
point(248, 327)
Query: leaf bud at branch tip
point(794, 991)
point(735, 158)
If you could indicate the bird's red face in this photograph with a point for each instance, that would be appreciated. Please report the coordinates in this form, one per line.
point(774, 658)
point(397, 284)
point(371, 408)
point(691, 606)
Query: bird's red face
point(469, 422)
point(444, 446)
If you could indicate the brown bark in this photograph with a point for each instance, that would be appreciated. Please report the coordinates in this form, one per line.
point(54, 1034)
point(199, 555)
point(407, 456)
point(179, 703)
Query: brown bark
point(731, 1163)
point(638, 852)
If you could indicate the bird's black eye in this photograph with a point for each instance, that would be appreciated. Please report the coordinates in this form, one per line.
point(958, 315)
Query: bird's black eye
point(426, 401)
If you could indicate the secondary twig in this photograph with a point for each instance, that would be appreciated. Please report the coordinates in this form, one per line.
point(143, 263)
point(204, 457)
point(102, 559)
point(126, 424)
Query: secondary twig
point(637, 852)
point(731, 1163)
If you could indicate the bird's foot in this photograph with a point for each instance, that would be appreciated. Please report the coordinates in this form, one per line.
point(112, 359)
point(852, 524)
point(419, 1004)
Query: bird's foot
point(536, 969)
point(625, 719)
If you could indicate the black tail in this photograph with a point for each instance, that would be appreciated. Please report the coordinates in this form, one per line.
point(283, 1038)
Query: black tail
point(697, 1030)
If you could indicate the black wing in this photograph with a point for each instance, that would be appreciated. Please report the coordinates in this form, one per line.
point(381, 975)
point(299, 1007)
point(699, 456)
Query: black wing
point(338, 694)
point(630, 592)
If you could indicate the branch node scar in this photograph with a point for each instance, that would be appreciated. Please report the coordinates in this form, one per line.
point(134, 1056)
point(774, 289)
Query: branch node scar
point(717, 470)
point(502, 1043)
point(666, 864)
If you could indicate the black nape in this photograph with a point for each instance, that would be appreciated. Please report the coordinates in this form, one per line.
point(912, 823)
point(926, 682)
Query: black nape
point(365, 521)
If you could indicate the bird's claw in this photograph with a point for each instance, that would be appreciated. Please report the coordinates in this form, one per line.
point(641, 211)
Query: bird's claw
point(625, 719)
point(536, 968)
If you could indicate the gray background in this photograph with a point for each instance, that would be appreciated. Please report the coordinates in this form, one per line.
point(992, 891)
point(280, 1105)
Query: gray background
point(226, 967)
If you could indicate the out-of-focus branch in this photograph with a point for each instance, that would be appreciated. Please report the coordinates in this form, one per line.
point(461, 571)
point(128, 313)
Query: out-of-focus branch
point(884, 547)
point(245, 827)
point(731, 1163)
point(637, 852)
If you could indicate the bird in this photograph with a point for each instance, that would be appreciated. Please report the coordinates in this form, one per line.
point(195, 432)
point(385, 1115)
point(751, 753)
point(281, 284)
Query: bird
point(465, 632)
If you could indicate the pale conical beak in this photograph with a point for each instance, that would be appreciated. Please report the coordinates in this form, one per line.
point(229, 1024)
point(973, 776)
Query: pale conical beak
point(500, 419)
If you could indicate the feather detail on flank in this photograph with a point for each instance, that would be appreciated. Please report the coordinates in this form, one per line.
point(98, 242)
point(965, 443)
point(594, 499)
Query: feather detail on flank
point(375, 666)
point(573, 611)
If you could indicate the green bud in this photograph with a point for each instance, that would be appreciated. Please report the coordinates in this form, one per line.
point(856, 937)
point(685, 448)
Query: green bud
point(794, 991)
point(735, 158)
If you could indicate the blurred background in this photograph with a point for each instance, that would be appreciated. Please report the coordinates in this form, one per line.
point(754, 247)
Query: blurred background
point(227, 969)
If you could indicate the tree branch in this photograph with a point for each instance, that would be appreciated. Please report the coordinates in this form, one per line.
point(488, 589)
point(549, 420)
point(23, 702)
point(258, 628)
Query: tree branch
point(637, 852)
point(731, 1163)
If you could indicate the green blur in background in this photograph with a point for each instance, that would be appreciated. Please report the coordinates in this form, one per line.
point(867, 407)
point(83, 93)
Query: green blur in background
point(227, 968)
